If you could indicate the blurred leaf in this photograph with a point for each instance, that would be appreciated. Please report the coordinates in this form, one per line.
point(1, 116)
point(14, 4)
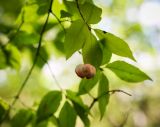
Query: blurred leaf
point(3, 108)
point(48, 105)
point(115, 44)
point(67, 117)
point(13, 56)
point(23, 38)
point(2, 59)
point(103, 99)
point(65, 14)
point(59, 42)
point(82, 113)
point(91, 51)
point(75, 37)
point(87, 84)
point(22, 118)
point(75, 98)
point(127, 72)
point(91, 13)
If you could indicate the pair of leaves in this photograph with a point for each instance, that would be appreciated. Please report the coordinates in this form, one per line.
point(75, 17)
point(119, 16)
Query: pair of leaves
point(79, 37)
point(127, 72)
point(91, 13)
point(48, 105)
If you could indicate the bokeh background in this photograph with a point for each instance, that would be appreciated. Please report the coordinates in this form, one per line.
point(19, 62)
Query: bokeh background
point(136, 21)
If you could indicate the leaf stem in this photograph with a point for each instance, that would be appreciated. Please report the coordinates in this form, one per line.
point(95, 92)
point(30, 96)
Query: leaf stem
point(78, 7)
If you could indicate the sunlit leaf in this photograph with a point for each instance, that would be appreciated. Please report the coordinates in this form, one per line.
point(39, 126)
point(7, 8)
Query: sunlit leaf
point(115, 44)
point(65, 14)
point(22, 118)
point(91, 13)
point(107, 54)
point(67, 117)
point(13, 56)
point(75, 98)
point(49, 105)
point(91, 51)
point(103, 99)
point(127, 72)
point(75, 37)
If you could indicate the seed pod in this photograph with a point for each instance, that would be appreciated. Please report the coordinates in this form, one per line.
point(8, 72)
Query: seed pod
point(85, 70)
point(90, 71)
point(79, 70)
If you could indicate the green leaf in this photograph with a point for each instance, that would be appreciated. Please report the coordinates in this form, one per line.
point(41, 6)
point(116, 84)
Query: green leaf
point(127, 72)
point(13, 56)
point(3, 108)
point(115, 44)
point(22, 118)
point(75, 37)
point(2, 59)
point(103, 98)
point(65, 14)
point(23, 38)
point(107, 54)
point(87, 84)
point(82, 113)
point(75, 98)
point(48, 105)
point(67, 117)
point(91, 51)
point(91, 13)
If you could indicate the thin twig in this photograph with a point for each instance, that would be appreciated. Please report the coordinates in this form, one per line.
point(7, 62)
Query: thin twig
point(106, 93)
point(50, 69)
point(58, 20)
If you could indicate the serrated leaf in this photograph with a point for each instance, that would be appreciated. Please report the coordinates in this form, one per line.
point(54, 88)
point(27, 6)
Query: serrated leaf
point(91, 51)
point(82, 113)
point(22, 118)
point(67, 117)
point(75, 37)
point(103, 99)
point(65, 14)
point(127, 72)
point(115, 44)
point(91, 13)
point(48, 105)
point(87, 84)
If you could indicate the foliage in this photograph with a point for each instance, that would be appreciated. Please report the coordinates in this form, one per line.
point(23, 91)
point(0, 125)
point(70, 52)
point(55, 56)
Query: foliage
point(96, 47)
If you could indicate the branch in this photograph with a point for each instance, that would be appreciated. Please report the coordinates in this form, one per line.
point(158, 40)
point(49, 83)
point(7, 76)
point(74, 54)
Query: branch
point(106, 93)
point(33, 65)
point(58, 20)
